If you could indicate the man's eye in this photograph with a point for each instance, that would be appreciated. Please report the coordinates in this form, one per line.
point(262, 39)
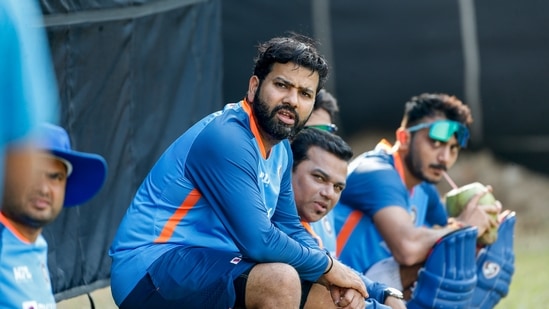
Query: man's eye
point(436, 143)
point(56, 176)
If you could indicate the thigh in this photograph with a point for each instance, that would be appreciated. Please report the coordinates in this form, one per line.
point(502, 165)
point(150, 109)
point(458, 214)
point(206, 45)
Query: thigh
point(319, 297)
point(189, 278)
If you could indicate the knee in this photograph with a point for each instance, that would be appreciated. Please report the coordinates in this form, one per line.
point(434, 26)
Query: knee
point(283, 275)
point(273, 285)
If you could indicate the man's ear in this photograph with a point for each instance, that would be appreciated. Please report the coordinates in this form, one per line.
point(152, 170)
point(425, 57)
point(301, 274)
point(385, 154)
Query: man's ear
point(403, 137)
point(253, 84)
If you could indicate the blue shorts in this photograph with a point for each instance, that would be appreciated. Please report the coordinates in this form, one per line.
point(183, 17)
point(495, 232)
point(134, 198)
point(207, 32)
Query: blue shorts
point(189, 278)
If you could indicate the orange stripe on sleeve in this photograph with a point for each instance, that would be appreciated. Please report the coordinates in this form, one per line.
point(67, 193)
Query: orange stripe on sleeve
point(181, 211)
point(346, 230)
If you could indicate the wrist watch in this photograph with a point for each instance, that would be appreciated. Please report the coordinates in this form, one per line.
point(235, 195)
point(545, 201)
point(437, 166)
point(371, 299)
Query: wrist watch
point(392, 292)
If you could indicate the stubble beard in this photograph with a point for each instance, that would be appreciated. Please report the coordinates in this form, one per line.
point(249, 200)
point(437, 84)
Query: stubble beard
point(415, 166)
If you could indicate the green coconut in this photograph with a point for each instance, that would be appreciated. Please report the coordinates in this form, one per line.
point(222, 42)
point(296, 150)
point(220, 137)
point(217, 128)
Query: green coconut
point(457, 199)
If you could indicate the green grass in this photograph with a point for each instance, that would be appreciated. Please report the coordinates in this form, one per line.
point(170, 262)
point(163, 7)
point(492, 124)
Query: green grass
point(529, 283)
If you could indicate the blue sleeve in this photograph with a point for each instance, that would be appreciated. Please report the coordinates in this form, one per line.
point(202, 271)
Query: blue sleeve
point(373, 304)
point(375, 289)
point(436, 210)
point(373, 185)
point(223, 165)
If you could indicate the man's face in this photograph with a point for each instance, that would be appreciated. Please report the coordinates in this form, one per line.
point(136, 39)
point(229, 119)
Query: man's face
point(426, 158)
point(38, 201)
point(284, 100)
point(317, 183)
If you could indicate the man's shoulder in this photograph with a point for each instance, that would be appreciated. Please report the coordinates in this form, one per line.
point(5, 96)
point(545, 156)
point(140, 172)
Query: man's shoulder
point(374, 164)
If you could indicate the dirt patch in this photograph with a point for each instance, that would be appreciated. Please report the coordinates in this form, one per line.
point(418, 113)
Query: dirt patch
point(518, 188)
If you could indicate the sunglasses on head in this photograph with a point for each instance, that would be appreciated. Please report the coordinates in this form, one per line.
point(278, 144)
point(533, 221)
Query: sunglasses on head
point(443, 130)
point(332, 128)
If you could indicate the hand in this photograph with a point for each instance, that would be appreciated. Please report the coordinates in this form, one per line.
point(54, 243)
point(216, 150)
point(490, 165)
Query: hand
point(343, 277)
point(347, 298)
point(483, 217)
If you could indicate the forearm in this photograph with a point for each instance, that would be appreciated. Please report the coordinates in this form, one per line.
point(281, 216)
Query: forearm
point(415, 244)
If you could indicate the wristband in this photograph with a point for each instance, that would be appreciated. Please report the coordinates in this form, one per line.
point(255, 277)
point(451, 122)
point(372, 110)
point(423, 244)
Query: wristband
point(331, 265)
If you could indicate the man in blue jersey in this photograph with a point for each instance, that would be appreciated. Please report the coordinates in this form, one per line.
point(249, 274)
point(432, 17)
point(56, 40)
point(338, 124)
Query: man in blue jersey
point(319, 174)
point(214, 224)
point(61, 177)
point(386, 216)
point(322, 118)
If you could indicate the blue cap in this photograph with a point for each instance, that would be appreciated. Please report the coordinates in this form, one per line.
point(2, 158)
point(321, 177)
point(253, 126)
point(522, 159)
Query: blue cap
point(87, 172)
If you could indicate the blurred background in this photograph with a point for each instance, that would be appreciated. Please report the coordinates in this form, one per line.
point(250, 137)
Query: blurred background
point(134, 75)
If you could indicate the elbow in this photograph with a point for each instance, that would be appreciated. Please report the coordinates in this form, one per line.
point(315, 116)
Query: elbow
point(255, 254)
point(407, 254)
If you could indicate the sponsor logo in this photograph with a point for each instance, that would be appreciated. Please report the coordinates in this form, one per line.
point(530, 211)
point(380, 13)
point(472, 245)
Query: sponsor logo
point(236, 260)
point(490, 269)
point(22, 273)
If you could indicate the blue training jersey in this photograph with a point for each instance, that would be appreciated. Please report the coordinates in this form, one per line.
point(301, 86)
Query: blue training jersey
point(216, 187)
point(324, 228)
point(374, 183)
point(24, 277)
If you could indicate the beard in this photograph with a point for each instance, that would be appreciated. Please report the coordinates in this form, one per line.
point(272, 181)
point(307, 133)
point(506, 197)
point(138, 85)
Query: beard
point(268, 121)
point(414, 164)
point(16, 213)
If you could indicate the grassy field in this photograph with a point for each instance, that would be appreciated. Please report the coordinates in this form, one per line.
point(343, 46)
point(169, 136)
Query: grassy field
point(531, 276)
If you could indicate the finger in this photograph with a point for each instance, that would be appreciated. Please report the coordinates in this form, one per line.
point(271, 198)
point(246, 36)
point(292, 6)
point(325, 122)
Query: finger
point(335, 293)
point(473, 203)
point(492, 209)
point(500, 206)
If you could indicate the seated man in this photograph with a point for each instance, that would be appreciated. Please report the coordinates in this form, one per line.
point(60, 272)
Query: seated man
point(60, 177)
point(319, 174)
point(214, 224)
point(385, 216)
point(322, 118)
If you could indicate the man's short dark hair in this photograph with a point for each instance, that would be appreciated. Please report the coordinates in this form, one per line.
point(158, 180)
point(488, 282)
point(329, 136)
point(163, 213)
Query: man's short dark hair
point(295, 48)
point(433, 104)
point(329, 142)
point(326, 101)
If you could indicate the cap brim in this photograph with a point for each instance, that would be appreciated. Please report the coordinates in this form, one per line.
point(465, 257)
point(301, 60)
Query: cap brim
point(88, 176)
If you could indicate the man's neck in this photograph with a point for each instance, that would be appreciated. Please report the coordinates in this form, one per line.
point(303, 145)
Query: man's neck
point(23, 231)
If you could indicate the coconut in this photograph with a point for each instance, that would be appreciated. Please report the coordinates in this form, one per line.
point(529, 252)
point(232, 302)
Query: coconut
point(457, 199)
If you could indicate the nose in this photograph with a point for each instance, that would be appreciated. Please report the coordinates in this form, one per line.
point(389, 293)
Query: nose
point(327, 191)
point(445, 153)
point(41, 184)
point(292, 97)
